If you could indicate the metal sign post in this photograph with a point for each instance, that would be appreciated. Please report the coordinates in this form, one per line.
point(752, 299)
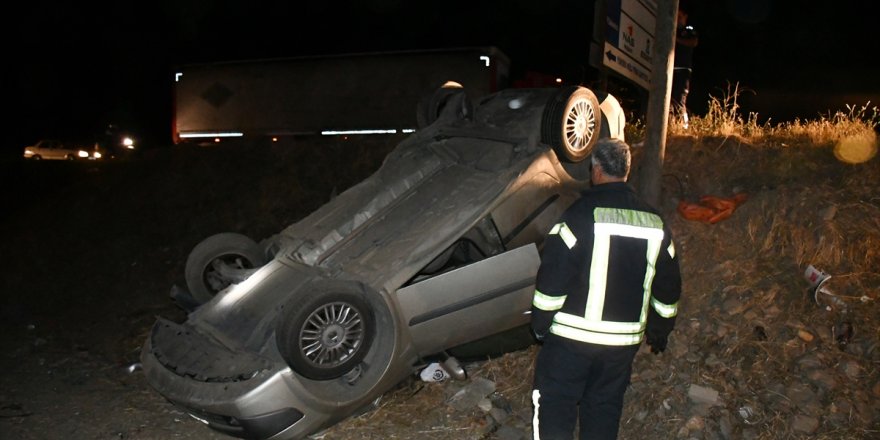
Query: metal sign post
point(638, 43)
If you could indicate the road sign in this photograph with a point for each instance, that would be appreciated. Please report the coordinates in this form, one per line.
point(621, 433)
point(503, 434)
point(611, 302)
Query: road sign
point(629, 36)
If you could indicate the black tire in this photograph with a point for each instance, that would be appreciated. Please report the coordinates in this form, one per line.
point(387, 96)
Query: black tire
point(571, 123)
point(70, 158)
point(326, 332)
point(36, 157)
point(237, 250)
point(430, 107)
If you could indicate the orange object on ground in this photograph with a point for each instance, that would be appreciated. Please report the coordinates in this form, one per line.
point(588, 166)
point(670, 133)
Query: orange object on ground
point(711, 209)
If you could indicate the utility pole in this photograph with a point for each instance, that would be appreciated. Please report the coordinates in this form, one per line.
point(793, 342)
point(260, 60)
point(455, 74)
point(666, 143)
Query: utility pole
point(650, 171)
point(600, 10)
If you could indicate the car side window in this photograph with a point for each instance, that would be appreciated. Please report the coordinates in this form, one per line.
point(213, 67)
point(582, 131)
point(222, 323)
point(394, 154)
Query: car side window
point(480, 242)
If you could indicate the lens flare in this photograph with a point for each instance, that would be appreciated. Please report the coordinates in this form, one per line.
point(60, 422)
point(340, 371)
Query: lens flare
point(857, 148)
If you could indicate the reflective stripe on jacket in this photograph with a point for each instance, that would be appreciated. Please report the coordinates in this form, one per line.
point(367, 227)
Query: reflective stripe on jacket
point(608, 271)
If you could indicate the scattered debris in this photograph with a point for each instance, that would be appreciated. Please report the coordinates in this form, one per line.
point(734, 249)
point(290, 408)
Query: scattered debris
point(471, 394)
point(434, 373)
point(843, 333)
point(822, 294)
point(711, 209)
point(703, 395)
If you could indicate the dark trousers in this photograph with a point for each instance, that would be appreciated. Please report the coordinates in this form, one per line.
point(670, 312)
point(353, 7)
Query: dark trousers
point(580, 382)
point(681, 84)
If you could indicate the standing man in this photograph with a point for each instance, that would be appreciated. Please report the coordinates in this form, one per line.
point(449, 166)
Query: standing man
point(609, 276)
point(686, 40)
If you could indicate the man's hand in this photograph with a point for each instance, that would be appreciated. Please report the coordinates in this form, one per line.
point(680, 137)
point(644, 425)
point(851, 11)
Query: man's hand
point(657, 343)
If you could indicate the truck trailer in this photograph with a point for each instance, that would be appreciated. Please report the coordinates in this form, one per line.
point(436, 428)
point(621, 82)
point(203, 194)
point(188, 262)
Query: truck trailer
point(269, 99)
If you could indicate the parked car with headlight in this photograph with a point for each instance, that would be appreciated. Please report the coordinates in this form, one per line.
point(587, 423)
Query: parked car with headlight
point(51, 149)
point(433, 255)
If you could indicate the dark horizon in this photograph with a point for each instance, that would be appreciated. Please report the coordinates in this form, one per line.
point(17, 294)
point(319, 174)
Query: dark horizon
point(80, 68)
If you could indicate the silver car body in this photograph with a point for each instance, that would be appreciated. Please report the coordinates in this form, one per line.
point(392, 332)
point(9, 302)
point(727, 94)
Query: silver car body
point(478, 176)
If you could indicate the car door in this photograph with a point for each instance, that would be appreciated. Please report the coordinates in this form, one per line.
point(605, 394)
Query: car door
point(41, 149)
point(53, 150)
point(471, 302)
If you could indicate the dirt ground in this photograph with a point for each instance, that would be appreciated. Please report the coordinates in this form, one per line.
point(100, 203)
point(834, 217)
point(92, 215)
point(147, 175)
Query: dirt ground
point(91, 250)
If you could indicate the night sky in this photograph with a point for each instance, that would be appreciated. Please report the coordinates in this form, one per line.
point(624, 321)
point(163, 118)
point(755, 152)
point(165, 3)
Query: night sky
point(76, 67)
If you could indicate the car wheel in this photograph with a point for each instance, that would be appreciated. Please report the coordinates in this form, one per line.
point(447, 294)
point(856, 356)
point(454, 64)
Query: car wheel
point(571, 123)
point(70, 158)
point(327, 332)
point(204, 266)
point(36, 157)
point(430, 107)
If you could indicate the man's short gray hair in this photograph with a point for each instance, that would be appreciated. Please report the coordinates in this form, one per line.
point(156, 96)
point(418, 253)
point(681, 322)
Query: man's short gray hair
point(613, 156)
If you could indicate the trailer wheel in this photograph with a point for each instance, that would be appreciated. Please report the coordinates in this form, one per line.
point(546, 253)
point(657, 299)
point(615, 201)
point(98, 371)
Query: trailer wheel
point(204, 267)
point(571, 123)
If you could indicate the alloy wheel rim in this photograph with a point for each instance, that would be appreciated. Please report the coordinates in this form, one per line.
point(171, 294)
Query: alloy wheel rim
point(580, 125)
point(332, 334)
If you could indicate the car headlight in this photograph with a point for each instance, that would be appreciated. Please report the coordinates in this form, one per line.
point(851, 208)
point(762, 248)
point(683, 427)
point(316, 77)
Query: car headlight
point(82, 153)
point(97, 155)
point(128, 142)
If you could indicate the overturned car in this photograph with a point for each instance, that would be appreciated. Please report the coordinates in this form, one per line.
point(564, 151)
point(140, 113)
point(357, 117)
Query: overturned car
point(432, 256)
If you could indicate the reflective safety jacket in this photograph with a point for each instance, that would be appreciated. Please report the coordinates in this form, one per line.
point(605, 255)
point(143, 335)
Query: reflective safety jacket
point(608, 272)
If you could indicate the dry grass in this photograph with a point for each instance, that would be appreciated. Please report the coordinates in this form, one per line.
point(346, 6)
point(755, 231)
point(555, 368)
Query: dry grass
point(813, 200)
point(722, 119)
point(801, 220)
point(850, 131)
